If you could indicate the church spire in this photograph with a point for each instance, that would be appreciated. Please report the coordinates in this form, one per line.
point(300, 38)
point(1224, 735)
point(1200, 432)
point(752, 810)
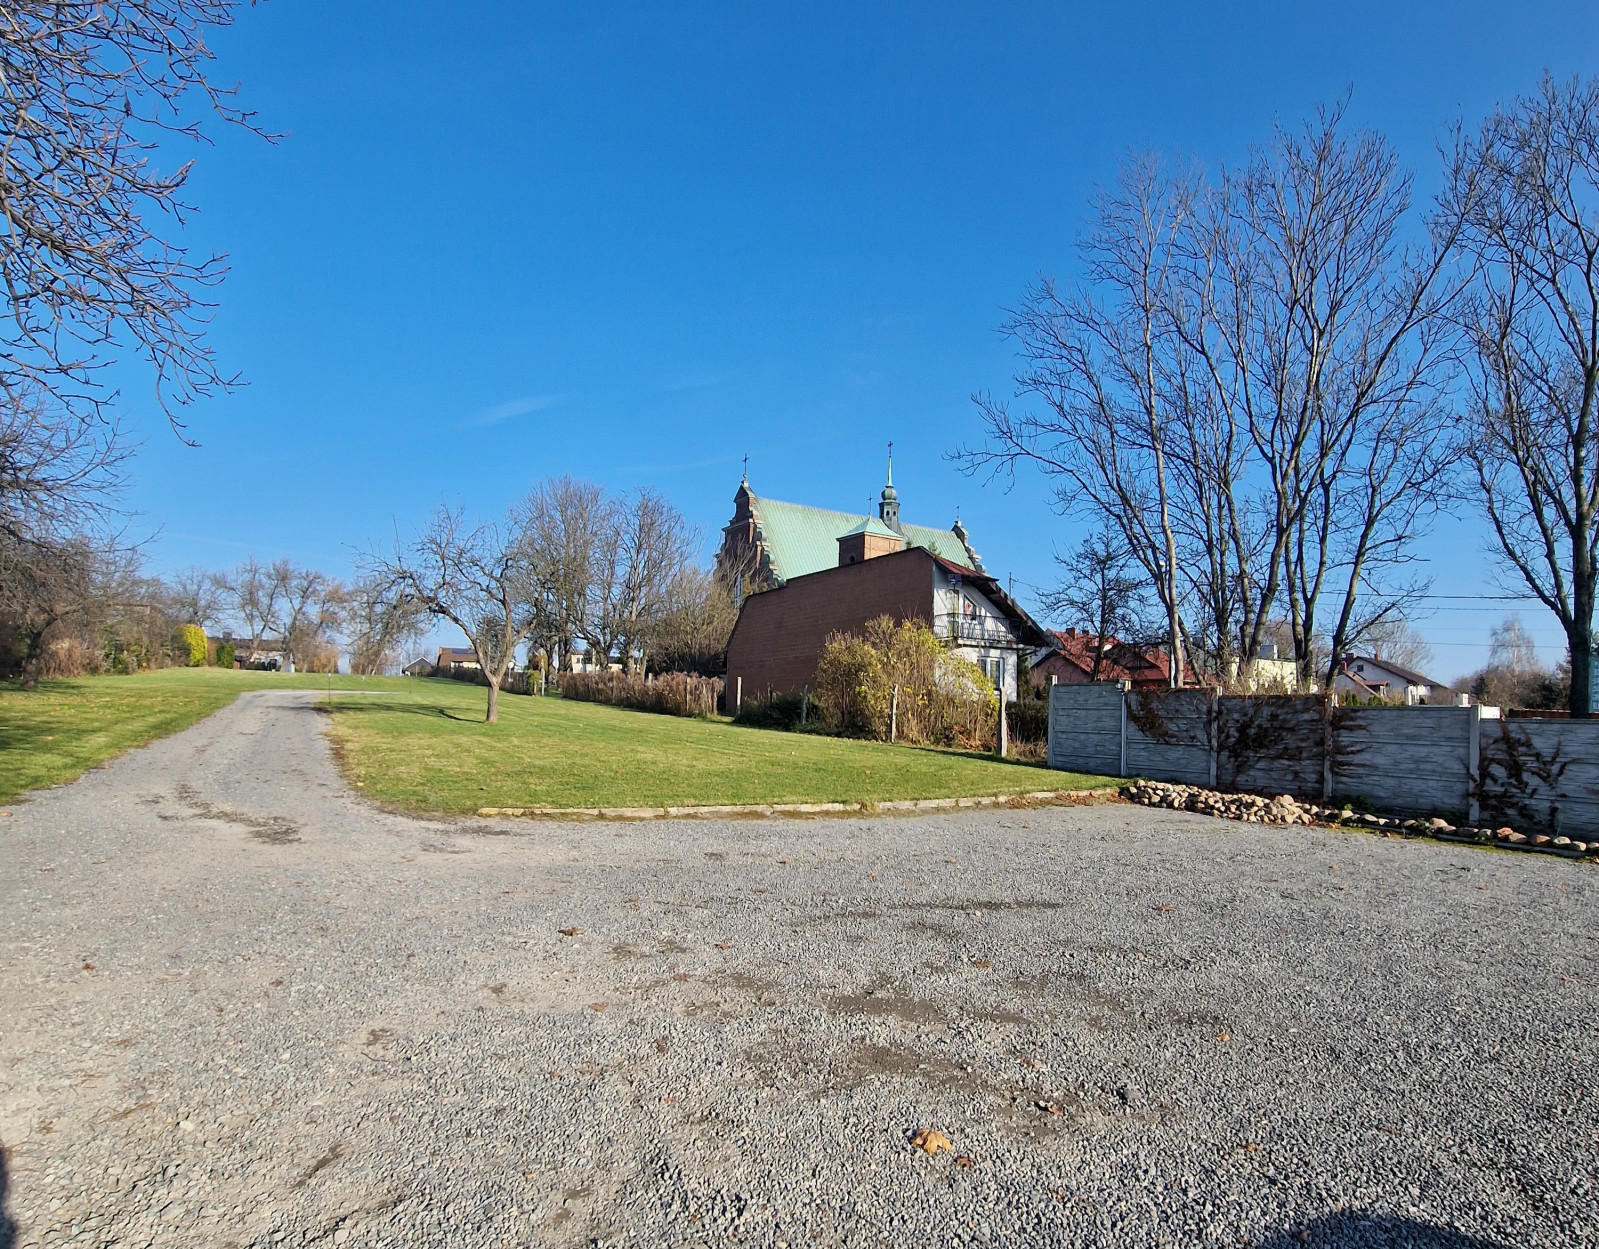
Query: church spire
point(888, 502)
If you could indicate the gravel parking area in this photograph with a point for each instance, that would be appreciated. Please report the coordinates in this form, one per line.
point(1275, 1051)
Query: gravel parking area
point(241, 1007)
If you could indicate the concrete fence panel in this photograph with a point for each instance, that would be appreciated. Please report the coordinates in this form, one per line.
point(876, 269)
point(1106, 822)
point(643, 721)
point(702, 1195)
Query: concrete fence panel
point(1085, 728)
point(1410, 760)
point(1542, 772)
point(1170, 736)
point(1272, 744)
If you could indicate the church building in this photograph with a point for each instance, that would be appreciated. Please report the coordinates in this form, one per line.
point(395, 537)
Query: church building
point(805, 573)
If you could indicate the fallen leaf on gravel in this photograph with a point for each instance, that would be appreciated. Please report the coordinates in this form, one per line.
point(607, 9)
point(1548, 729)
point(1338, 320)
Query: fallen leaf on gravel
point(47, 869)
point(963, 1160)
point(1049, 1108)
point(5, 815)
point(571, 932)
point(981, 962)
point(930, 1141)
point(1034, 1064)
point(722, 945)
point(1250, 1147)
point(1222, 1036)
point(869, 875)
point(597, 1006)
point(661, 1044)
point(88, 967)
point(1166, 909)
point(952, 860)
point(782, 860)
point(680, 977)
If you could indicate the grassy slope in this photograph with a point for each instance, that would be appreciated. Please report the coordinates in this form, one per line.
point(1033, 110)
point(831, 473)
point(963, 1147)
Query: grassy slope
point(426, 748)
point(61, 729)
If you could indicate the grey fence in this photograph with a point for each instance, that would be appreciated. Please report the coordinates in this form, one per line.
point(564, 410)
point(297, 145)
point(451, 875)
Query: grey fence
point(1459, 762)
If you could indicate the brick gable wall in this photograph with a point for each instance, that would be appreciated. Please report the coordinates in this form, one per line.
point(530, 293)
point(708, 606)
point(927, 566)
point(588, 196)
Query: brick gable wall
point(779, 635)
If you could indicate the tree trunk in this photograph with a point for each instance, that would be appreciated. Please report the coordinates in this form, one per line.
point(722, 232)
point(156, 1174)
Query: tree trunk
point(1580, 639)
point(493, 715)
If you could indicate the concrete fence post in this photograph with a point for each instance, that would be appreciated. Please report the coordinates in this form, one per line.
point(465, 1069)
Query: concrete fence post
point(1213, 715)
point(738, 695)
point(1124, 686)
point(1004, 726)
point(1474, 764)
point(893, 714)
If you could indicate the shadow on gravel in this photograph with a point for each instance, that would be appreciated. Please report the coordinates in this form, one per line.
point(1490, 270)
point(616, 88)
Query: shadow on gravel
point(8, 1228)
point(1375, 1231)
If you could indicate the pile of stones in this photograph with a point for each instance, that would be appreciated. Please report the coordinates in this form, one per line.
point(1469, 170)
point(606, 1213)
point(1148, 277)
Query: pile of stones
point(1251, 808)
point(1284, 809)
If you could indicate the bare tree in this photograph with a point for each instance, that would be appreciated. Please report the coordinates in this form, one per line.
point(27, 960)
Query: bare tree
point(1397, 641)
point(1100, 592)
point(87, 91)
point(381, 620)
point(479, 578)
point(254, 595)
point(1248, 393)
point(692, 634)
point(644, 546)
point(563, 522)
point(312, 610)
point(196, 596)
point(1525, 191)
point(1102, 366)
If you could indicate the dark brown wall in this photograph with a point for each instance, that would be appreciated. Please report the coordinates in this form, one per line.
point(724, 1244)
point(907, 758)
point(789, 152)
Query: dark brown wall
point(780, 633)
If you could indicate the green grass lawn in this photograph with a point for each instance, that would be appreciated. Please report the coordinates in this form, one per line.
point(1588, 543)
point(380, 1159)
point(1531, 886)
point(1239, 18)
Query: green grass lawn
point(422, 745)
point(64, 727)
point(425, 747)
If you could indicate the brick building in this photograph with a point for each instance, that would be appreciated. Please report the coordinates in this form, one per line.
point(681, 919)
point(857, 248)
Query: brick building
point(876, 567)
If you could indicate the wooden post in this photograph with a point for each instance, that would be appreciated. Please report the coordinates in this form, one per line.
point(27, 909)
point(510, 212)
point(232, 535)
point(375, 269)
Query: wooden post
point(893, 714)
point(1004, 725)
point(738, 695)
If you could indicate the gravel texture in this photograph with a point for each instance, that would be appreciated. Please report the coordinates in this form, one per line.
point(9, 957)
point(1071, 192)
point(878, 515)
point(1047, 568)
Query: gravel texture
point(240, 1006)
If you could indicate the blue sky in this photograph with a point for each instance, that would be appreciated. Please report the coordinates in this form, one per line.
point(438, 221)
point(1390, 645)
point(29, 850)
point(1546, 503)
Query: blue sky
point(635, 243)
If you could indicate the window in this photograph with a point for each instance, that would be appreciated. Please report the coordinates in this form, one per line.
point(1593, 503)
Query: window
point(996, 672)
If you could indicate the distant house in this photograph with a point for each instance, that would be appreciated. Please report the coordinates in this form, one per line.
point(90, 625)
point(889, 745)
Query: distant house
point(457, 656)
point(878, 568)
point(1070, 655)
point(1366, 677)
point(417, 668)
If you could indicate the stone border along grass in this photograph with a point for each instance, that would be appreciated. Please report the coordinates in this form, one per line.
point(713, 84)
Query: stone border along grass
point(906, 806)
point(1253, 809)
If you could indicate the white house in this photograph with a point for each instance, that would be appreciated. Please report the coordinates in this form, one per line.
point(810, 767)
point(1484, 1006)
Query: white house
point(1367, 677)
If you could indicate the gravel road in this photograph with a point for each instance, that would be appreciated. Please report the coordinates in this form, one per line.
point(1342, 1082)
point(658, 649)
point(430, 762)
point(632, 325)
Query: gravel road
point(239, 1006)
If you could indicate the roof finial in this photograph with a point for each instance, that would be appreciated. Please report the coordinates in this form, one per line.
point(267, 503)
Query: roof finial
point(746, 468)
point(891, 463)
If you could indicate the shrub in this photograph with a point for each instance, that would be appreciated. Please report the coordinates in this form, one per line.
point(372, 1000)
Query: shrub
point(226, 655)
point(776, 711)
point(191, 645)
point(1029, 720)
point(944, 700)
point(670, 693)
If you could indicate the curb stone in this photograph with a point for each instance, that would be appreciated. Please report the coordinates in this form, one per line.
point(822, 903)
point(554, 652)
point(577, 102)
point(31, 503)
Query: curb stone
point(905, 806)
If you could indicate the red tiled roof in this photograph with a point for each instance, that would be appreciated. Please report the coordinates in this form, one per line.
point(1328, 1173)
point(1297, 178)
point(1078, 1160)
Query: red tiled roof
point(1122, 662)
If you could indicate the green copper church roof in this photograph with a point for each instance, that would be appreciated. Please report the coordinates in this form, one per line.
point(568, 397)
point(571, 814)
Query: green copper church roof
point(802, 539)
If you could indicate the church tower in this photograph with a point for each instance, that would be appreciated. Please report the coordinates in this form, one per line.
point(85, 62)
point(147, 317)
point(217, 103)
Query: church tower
point(888, 503)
